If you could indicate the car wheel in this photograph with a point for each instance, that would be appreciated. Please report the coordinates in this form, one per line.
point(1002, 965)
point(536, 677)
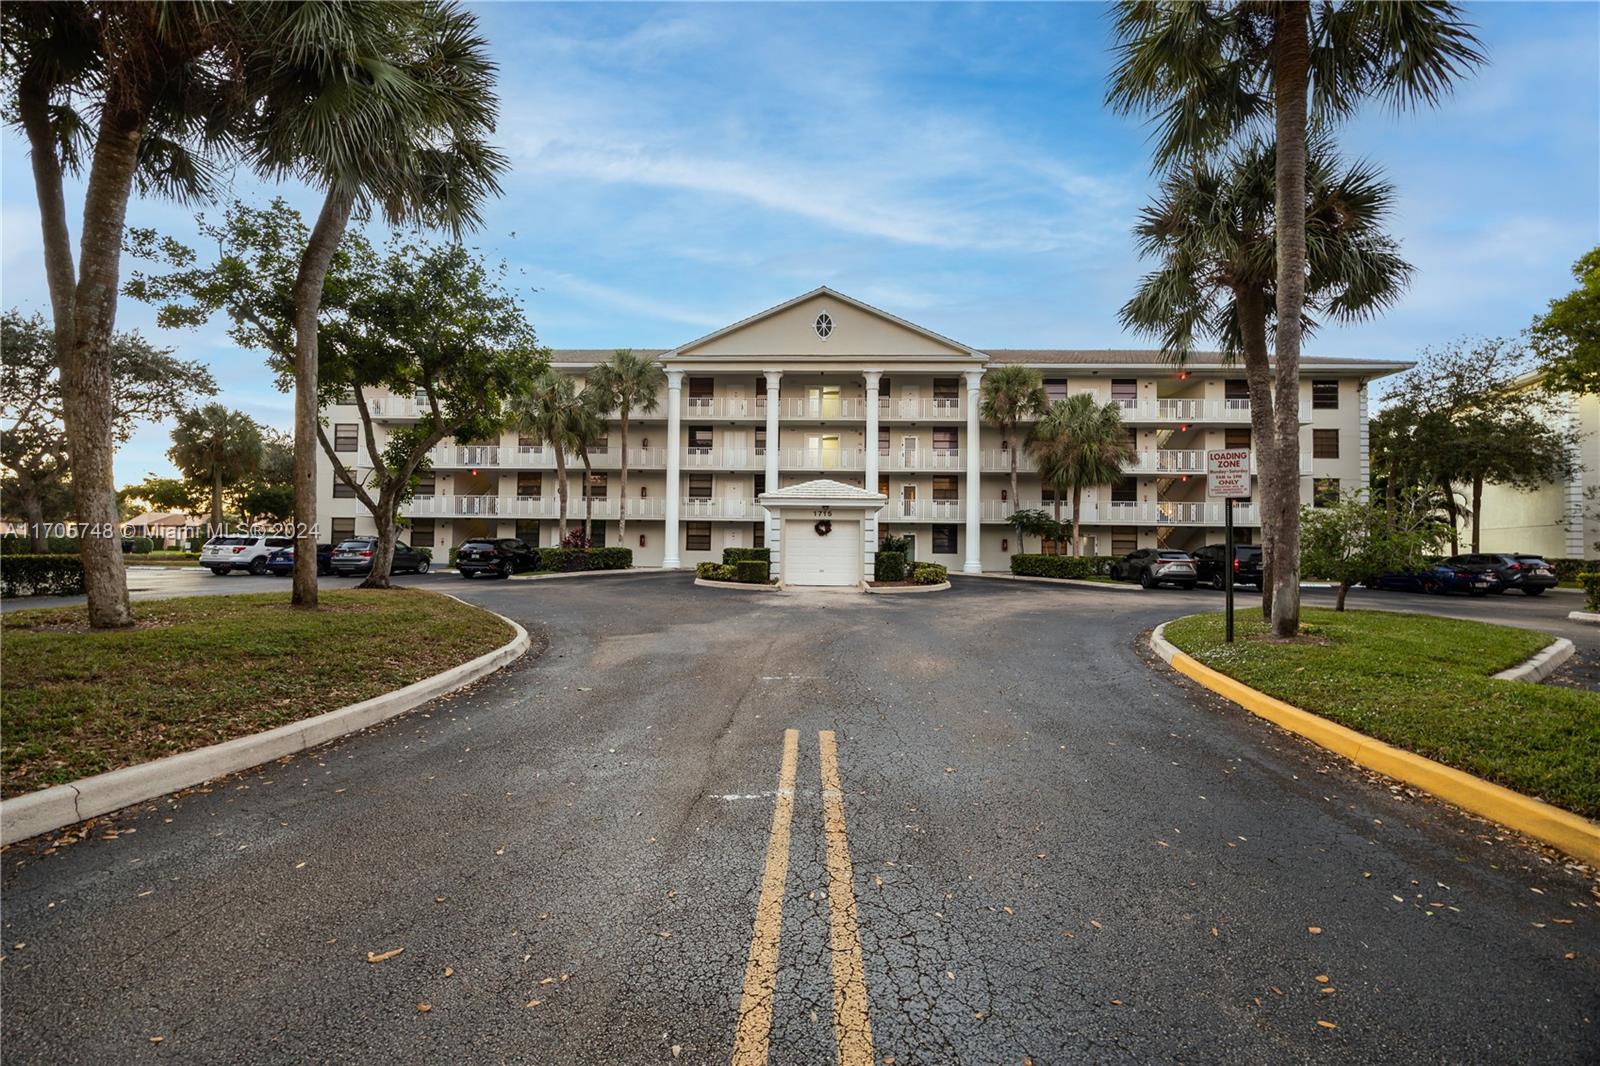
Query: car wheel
point(1144, 580)
point(258, 566)
point(504, 570)
point(422, 567)
point(1430, 587)
point(220, 571)
point(1533, 591)
point(1217, 583)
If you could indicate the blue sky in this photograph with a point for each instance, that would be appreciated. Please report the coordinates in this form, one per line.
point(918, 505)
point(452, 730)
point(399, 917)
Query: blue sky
point(675, 168)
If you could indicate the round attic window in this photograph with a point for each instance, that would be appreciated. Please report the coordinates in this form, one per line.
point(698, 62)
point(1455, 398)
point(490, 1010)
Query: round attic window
point(824, 325)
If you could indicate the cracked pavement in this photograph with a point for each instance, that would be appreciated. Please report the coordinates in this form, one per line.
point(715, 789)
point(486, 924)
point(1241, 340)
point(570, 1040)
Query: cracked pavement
point(1059, 854)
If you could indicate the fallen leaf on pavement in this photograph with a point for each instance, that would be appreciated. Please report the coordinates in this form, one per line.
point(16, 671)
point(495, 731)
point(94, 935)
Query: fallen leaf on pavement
point(448, 972)
point(1321, 979)
point(423, 1008)
point(1314, 930)
point(374, 957)
point(533, 1002)
point(157, 1039)
point(1326, 1024)
point(677, 1049)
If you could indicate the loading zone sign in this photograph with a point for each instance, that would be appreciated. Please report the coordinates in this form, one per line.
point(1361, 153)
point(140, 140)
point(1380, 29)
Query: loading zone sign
point(1228, 473)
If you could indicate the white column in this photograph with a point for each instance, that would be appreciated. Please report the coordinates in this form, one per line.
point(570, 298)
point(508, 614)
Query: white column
point(669, 558)
point(774, 527)
point(974, 560)
point(871, 483)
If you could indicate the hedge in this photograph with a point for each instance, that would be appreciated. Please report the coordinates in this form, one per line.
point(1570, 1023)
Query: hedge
point(731, 556)
point(41, 575)
point(1590, 580)
point(891, 566)
point(714, 571)
point(752, 572)
point(1067, 566)
point(929, 574)
point(571, 560)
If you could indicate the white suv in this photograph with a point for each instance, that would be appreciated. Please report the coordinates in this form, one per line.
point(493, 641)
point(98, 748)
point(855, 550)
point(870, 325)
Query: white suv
point(240, 552)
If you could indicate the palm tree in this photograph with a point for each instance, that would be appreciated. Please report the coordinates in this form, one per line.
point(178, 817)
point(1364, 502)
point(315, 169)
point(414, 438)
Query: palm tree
point(1211, 233)
point(214, 445)
point(545, 412)
point(626, 383)
point(1011, 394)
point(585, 429)
point(384, 105)
point(1212, 72)
point(1080, 443)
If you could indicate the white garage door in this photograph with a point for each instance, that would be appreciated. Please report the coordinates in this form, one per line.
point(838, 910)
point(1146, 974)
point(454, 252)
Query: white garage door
point(812, 560)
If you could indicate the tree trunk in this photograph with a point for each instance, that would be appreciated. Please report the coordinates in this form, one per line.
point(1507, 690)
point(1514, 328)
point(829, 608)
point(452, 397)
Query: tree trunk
point(1454, 512)
point(588, 497)
point(314, 262)
point(561, 493)
point(1250, 308)
point(33, 508)
point(1477, 512)
point(622, 501)
point(1077, 509)
point(87, 405)
point(383, 516)
point(1016, 501)
point(1057, 502)
point(216, 499)
point(1338, 603)
point(1291, 66)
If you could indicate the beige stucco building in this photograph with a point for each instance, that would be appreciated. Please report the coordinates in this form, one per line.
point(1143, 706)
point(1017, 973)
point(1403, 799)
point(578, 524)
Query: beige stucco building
point(825, 386)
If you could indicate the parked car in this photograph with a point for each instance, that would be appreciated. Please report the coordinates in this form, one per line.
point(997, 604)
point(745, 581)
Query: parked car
point(281, 562)
point(224, 554)
point(1440, 578)
point(1156, 566)
point(1246, 564)
point(1528, 574)
point(354, 556)
point(503, 556)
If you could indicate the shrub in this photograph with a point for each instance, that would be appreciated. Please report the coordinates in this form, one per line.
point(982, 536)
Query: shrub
point(929, 574)
point(1590, 580)
point(41, 575)
point(731, 556)
point(752, 572)
point(891, 566)
point(571, 560)
point(1066, 566)
point(708, 571)
point(889, 542)
point(138, 545)
point(575, 538)
point(1572, 570)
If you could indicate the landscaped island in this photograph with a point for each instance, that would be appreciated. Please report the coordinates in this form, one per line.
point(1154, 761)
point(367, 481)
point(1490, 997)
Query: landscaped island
point(204, 669)
point(1424, 684)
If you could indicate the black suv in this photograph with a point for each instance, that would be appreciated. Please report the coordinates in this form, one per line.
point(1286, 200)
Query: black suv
point(1246, 564)
point(503, 556)
point(1529, 574)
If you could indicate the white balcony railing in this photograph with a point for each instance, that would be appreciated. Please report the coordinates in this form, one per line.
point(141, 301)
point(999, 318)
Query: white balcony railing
point(820, 459)
point(724, 407)
point(843, 408)
point(921, 459)
point(694, 508)
point(520, 457)
point(903, 510)
point(1162, 513)
point(724, 459)
point(523, 507)
point(946, 409)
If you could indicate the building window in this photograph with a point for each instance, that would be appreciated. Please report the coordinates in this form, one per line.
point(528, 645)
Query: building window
point(1055, 389)
point(1236, 438)
point(700, 486)
point(527, 531)
point(1324, 444)
point(425, 485)
point(944, 540)
point(760, 484)
point(1236, 389)
point(343, 529)
point(528, 444)
point(944, 487)
point(1324, 491)
point(1325, 395)
point(342, 491)
point(946, 440)
point(1124, 541)
point(595, 487)
point(883, 441)
point(702, 388)
point(947, 389)
point(761, 441)
point(422, 533)
point(758, 534)
point(697, 536)
point(344, 436)
point(823, 325)
point(883, 485)
point(601, 445)
point(1125, 391)
point(1125, 490)
point(761, 387)
point(530, 485)
point(700, 438)
point(883, 388)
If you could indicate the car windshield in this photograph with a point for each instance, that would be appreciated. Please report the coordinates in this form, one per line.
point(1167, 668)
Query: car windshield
point(478, 544)
point(1247, 551)
point(1174, 555)
point(354, 545)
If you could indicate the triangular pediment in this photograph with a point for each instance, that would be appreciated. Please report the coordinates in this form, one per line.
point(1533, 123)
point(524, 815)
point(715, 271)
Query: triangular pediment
point(823, 324)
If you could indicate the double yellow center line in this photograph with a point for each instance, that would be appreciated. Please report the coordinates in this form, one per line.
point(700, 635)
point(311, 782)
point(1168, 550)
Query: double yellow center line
point(851, 1027)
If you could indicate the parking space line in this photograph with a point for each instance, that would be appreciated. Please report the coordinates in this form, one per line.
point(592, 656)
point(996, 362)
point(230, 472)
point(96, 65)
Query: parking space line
point(761, 971)
point(851, 1027)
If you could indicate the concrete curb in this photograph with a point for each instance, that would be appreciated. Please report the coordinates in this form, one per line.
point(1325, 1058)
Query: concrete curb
point(1542, 664)
point(54, 808)
point(632, 571)
point(1110, 586)
point(906, 589)
point(1589, 617)
point(1572, 833)
point(736, 586)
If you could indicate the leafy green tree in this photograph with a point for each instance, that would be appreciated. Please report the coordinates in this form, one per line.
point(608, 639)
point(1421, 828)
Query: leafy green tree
point(1079, 443)
point(1010, 395)
point(1033, 522)
point(1568, 335)
point(269, 493)
point(545, 411)
point(1212, 73)
point(626, 383)
point(147, 384)
point(1354, 540)
point(215, 446)
point(163, 494)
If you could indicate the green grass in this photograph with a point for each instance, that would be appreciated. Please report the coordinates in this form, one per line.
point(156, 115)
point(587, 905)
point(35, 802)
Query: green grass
point(203, 669)
point(1423, 684)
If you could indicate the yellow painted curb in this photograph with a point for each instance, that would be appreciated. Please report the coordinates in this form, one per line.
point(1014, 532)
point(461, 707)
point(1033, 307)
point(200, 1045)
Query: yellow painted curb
point(1572, 833)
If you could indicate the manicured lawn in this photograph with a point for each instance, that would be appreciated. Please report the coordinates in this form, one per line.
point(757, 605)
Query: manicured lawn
point(203, 669)
point(1424, 684)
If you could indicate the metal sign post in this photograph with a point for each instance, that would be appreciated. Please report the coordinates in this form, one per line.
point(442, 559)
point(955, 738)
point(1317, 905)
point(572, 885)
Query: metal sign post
point(1228, 477)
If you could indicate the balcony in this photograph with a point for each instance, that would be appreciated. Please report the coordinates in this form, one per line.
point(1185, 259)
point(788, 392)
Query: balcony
point(1164, 461)
point(903, 510)
point(724, 407)
point(1161, 513)
point(922, 459)
point(808, 459)
point(917, 409)
point(724, 459)
point(513, 507)
point(518, 457)
point(730, 508)
point(822, 409)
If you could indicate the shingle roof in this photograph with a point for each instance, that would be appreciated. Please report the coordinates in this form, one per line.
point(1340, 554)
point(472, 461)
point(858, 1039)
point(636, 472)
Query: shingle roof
point(821, 488)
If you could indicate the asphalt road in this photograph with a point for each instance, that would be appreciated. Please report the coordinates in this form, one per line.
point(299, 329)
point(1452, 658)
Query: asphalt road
point(1050, 851)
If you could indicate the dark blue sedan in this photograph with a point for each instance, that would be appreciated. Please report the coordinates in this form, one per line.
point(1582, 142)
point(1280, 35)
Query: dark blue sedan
point(281, 562)
point(1440, 578)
